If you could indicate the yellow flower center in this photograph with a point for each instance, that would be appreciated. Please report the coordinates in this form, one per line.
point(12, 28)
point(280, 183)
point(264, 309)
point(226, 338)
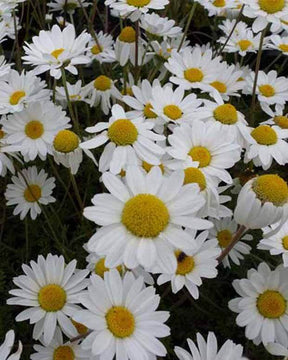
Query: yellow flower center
point(283, 47)
point(220, 86)
point(193, 75)
point(145, 215)
point(100, 268)
point(271, 6)
point(123, 132)
point(138, 3)
point(194, 175)
point(244, 44)
point(57, 52)
point(66, 141)
point(267, 90)
point(219, 3)
point(1, 134)
point(271, 304)
point(75, 97)
point(95, 50)
point(281, 121)
point(120, 321)
point(16, 97)
point(173, 112)
point(224, 238)
point(52, 297)
point(32, 193)
point(147, 167)
point(102, 83)
point(34, 129)
point(185, 263)
point(63, 353)
point(226, 114)
point(148, 112)
point(201, 154)
point(128, 91)
point(264, 135)
point(81, 329)
point(128, 35)
point(285, 242)
point(271, 188)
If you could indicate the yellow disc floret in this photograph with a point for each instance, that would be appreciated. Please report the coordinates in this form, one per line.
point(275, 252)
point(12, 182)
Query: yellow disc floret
point(194, 175)
point(128, 35)
point(63, 353)
point(138, 3)
point(185, 263)
point(264, 135)
point(271, 304)
point(120, 321)
point(100, 268)
point(57, 52)
point(285, 242)
point(2, 134)
point(193, 75)
point(52, 297)
point(271, 6)
point(148, 111)
point(32, 193)
point(201, 154)
point(283, 47)
point(95, 50)
point(244, 44)
point(16, 97)
point(66, 141)
point(123, 132)
point(219, 3)
point(271, 188)
point(147, 167)
point(220, 86)
point(81, 329)
point(281, 121)
point(267, 90)
point(172, 112)
point(34, 129)
point(145, 215)
point(226, 114)
point(102, 83)
point(224, 238)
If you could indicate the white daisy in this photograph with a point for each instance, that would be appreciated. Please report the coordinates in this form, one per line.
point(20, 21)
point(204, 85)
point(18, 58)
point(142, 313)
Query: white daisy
point(156, 25)
point(19, 90)
point(277, 116)
point(68, 6)
point(280, 43)
point(29, 189)
point(128, 140)
point(33, 129)
point(121, 314)
point(208, 145)
point(217, 7)
point(54, 49)
point(262, 201)
point(223, 231)
point(193, 265)
point(7, 345)
point(50, 289)
point(262, 305)
point(141, 221)
point(165, 48)
point(102, 51)
point(75, 92)
point(209, 350)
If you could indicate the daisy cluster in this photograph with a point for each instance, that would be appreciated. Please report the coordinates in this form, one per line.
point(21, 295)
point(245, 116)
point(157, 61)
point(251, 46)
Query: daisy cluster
point(156, 153)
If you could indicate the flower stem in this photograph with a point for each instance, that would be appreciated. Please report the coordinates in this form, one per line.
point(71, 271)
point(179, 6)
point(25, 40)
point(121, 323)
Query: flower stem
point(192, 11)
point(234, 241)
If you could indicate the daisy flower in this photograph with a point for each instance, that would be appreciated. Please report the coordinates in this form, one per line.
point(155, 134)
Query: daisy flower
point(135, 8)
point(277, 116)
point(75, 92)
point(270, 89)
point(141, 220)
point(223, 231)
point(5, 153)
point(50, 289)
point(128, 140)
point(265, 12)
point(66, 150)
point(123, 319)
point(54, 49)
point(156, 25)
point(174, 106)
point(216, 7)
point(58, 350)
point(278, 42)
point(208, 145)
point(100, 91)
point(19, 90)
point(262, 305)
point(227, 118)
point(165, 48)
point(193, 69)
point(262, 201)
point(193, 265)
point(34, 137)
point(7, 345)
point(269, 144)
point(68, 6)
point(276, 243)
point(209, 350)
point(103, 51)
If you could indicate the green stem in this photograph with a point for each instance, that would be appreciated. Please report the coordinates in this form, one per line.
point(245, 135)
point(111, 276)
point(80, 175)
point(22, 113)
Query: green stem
point(192, 11)
point(77, 193)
